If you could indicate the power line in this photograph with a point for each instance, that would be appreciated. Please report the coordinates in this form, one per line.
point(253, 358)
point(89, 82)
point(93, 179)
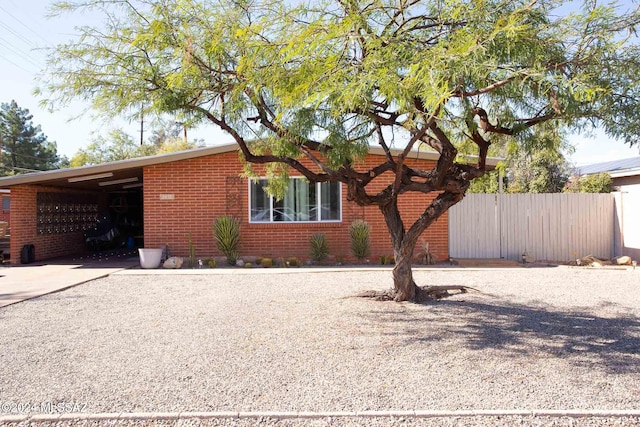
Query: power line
point(17, 65)
point(24, 25)
point(19, 53)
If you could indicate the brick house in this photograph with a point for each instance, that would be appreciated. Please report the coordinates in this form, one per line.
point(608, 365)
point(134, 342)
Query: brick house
point(161, 200)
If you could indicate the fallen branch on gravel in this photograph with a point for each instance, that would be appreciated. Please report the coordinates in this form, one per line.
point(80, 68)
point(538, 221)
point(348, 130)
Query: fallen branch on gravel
point(425, 293)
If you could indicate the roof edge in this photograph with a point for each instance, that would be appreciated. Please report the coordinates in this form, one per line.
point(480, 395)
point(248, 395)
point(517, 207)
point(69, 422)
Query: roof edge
point(57, 174)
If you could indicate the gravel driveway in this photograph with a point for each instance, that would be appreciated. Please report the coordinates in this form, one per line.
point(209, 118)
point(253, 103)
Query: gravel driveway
point(535, 338)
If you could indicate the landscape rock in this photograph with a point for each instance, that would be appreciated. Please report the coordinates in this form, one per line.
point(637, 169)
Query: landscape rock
point(174, 262)
point(622, 260)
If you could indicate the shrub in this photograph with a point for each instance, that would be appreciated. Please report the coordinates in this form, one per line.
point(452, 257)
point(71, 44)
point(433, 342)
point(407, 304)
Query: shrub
point(319, 247)
point(212, 263)
point(359, 232)
point(383, 259)
point(227, 233)
point(294, 262)
point(248, 265)
point(266, 262)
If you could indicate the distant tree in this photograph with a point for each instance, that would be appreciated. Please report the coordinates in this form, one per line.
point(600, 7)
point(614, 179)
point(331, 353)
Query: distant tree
point(538, 164)
point(488, 183)
point(24, 148)
point(118, 145)
point(594, 183)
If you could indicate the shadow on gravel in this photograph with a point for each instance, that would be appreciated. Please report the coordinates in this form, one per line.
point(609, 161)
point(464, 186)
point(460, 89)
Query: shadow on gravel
point(585, 339)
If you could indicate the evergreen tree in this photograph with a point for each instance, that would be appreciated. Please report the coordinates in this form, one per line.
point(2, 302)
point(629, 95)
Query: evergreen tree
point(24, 147)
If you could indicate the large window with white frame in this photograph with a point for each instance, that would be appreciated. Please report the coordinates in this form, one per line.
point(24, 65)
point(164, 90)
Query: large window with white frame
point(302, 202)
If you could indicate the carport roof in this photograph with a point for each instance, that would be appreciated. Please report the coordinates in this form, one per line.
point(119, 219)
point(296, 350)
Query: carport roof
point(90, 177)
point(120, 170)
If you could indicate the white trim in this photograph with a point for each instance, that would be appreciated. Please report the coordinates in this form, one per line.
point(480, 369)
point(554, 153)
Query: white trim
point(272, 209)
point(91, 177)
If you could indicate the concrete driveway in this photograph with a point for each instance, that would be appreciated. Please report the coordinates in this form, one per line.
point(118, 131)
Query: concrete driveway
point(19, 283)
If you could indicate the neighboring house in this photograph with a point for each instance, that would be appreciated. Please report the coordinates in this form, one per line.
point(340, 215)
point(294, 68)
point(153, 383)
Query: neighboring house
point(6, 206)
point(625, 176)
point(165, 199)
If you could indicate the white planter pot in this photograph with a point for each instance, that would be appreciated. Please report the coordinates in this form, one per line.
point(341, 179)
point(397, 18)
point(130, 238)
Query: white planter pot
point(150, 258)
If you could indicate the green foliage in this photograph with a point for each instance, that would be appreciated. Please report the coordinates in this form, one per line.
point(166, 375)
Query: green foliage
point(212, 263)
point(118, 145)
point(319, 247)
point(539, 166)
point(488, 183)
point(266, 263)
point(227, 233)
point(23, 146)
point(383, 259)
point(359, 233)
point(294, 262)
point(191, 262)
point(248, 265)
point(595, 183)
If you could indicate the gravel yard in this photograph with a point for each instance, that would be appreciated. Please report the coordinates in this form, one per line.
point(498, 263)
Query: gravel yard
point(535, 338)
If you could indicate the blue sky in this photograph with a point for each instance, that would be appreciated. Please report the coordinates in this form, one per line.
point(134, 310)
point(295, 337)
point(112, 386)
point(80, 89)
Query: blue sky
point(25, 31)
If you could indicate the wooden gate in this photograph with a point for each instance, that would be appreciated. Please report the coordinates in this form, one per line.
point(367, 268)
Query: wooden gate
point(554, 227)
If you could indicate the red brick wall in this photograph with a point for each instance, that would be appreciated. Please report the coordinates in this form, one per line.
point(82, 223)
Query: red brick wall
point(207, 187)
point(24, 227)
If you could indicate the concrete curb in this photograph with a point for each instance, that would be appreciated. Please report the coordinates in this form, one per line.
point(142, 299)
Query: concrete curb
point(172, 416)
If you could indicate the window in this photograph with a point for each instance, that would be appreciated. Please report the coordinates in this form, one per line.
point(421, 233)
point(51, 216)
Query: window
point(303, 202)
point(6, 203)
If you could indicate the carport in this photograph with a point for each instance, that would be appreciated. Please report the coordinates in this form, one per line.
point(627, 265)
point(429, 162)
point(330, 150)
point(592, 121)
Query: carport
point(54, 211)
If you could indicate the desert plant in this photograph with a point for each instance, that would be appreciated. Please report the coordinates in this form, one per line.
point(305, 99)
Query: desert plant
point(359, 232)
point(227, 233)
point(209, 262)
point(293, 262)
point(248, 265)
point(319, 247)
point(383, 259)
point(259, 260)
point(191, 262)
point(267, 262)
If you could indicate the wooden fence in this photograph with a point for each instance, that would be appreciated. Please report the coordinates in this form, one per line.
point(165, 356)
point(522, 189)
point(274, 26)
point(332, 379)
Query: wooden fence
point(554, 227)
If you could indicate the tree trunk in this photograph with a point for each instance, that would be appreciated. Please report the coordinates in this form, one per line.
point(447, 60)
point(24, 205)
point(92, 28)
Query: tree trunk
point(404, 243)
point(404, 286)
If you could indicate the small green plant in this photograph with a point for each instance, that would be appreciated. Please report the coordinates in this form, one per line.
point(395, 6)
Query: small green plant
point(259, 260)
point(294, 262)
point(191, 262)
point(248, 265)
point(359, 232)
point(266, 263)
point(319, 247)
point(340, 260)
point(383, 259)
point(212, 263)
point(227, 233)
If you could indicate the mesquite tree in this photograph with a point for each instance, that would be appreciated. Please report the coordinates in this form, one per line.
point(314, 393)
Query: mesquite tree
point(325, 80)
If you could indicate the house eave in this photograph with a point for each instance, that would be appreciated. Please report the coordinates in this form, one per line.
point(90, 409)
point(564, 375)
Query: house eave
point(139, 163)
